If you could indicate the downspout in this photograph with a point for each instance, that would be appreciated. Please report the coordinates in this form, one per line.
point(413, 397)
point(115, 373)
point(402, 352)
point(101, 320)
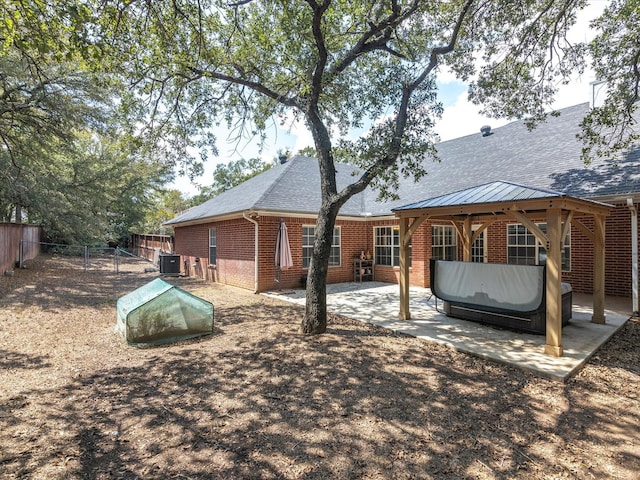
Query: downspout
point(634, 252)
point(255, 242)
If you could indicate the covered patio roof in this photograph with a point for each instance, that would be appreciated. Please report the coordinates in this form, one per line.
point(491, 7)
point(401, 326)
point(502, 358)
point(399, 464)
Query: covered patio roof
point(484, 205)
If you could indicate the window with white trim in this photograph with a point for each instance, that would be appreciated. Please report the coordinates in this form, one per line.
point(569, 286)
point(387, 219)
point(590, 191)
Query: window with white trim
point(308, 237)
point(387, 246)
point(212, 246)
point(479, 246)
point(524, 249)
point(444, 242)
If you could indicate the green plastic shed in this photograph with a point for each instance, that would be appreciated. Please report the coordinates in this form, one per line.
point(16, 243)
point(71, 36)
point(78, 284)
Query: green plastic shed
point(159, 312)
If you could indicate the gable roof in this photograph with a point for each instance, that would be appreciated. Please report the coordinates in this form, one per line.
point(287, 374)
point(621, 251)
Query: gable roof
point(547, 157)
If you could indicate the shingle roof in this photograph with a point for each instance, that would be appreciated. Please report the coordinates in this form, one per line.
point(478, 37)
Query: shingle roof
point(547, 157)
point(293, 187)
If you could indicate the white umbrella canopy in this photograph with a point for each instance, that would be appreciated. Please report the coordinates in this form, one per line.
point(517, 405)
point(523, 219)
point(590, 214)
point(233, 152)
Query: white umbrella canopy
point(283, 250)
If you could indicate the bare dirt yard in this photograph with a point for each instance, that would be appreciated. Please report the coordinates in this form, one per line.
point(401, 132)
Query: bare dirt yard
point(257, 400)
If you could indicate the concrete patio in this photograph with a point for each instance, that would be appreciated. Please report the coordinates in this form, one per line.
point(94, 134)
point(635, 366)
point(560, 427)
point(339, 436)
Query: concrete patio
point(378, 303)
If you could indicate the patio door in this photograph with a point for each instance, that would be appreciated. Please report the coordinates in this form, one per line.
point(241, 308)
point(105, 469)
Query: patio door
point(479, 247)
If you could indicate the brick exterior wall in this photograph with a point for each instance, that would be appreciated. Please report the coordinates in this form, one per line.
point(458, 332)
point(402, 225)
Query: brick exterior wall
point(235, 252)
point(235, 263)
point(617, 252)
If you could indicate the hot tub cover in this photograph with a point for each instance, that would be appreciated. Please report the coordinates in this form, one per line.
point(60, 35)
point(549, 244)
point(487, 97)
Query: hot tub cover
point(160, 312)
point(518, 288)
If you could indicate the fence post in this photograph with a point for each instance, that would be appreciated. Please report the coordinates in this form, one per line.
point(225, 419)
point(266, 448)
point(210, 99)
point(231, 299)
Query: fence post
point(86, 258)
point(21, 255)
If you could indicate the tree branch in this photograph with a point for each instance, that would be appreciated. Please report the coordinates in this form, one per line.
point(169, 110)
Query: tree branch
point(636, 87)
point(256, 86)
point(439, 51)
point(239, 4)
point(403, 109)
point(380, 33)
point(318, 36)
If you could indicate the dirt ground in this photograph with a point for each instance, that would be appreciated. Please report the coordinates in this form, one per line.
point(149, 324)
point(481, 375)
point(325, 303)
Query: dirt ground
point(258, 400)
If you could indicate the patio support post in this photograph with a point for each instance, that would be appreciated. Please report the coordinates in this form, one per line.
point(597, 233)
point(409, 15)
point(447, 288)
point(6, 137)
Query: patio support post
point(553, 283)
point(404, 269)
point(468, 233)
point(598, 270)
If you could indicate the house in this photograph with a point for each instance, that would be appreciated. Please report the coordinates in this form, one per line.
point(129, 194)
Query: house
point(231, 238)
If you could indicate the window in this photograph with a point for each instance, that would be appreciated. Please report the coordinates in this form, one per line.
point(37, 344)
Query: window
point(521, 246)
point(308, 236)
point(479, 247)
point(524, 249)
point(444, 245)
point(387, 246)
point(212, 246)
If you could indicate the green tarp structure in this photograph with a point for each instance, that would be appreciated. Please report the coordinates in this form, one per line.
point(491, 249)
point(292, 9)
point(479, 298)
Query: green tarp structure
point(159, 312)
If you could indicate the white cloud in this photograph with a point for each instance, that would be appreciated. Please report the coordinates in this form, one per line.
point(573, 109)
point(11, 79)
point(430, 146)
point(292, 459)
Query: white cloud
point(463, 118)
point(297, 129)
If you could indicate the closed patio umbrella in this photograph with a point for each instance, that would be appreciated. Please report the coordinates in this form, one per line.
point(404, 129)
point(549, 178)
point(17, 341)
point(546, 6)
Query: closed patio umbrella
point(283, 251)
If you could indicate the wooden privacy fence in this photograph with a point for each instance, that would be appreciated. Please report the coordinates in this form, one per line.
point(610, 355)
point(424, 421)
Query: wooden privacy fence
point(146, 245)
point(14, 236)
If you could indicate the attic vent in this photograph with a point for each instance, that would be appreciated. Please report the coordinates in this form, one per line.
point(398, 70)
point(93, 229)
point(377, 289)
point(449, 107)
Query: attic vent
point(486, 130)
point(283, 158)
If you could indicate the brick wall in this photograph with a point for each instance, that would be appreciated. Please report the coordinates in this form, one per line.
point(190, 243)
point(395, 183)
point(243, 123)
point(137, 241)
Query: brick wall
point(235, 252)
point(236, 255)
point(353, 236)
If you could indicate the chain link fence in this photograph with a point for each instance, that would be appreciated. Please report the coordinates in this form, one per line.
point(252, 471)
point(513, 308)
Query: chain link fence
point(89, 259)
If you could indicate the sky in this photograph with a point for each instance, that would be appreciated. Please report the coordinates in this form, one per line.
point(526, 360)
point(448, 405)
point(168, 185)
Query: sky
point(460, 116)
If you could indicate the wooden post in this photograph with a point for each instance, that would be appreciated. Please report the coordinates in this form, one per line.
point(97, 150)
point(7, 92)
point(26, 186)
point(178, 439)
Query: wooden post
point(466, 245)
point(553, 283)
point(598, 270)
point(404, 270)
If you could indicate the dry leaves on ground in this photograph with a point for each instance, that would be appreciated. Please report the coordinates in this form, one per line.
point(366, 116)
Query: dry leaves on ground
point(259, 400)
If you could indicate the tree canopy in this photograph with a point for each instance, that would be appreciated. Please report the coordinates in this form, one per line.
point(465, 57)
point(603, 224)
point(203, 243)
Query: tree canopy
point(612, 127)
point(69, 159)
point(337, 65)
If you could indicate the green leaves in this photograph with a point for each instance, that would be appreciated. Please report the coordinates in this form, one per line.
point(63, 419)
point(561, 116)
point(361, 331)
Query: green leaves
point(612, 127)
point(525, 55)
point(160, 74)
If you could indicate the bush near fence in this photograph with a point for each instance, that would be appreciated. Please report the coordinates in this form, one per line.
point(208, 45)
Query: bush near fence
point(11, 235)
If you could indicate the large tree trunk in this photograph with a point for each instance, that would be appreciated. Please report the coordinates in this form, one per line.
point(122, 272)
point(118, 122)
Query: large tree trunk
point(315, 317)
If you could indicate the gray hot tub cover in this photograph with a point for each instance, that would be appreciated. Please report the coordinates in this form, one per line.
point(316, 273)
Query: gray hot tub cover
point(517, 288)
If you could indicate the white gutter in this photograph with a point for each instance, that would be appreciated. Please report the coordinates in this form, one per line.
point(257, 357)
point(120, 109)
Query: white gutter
point(255, 260)
point(634, 251)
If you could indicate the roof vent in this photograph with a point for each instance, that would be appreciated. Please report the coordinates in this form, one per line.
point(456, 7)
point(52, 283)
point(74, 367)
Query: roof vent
point(486, 130)
point(283, 158)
